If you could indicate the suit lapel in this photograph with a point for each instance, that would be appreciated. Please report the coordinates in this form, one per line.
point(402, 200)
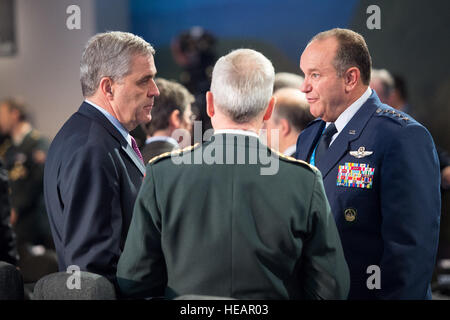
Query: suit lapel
point(307, 140)
point(134, 157)
point(351, 132)
point(92, 113)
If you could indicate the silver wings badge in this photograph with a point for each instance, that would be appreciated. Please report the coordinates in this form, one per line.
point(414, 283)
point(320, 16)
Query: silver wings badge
point(361, 153)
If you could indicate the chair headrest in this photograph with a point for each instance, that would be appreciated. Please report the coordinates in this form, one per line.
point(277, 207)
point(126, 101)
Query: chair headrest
point(11, 282)
point(77, 286)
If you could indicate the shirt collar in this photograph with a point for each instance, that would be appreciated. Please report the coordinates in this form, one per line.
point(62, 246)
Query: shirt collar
point(124, 132)
point(290, 150)
point(170, 140)
point(237, 131)
point(348, 114)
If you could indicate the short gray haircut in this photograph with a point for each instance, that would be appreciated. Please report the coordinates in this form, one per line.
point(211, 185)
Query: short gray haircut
point(384, 76)
point(242, 84)
point(109, 55)
point(287, 80)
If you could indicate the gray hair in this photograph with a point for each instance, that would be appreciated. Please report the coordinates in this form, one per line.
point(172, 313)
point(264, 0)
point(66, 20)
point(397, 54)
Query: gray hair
point(109, 55)
point(242, 84)
point(287, 80)
point(384, 76)
point(352, 51)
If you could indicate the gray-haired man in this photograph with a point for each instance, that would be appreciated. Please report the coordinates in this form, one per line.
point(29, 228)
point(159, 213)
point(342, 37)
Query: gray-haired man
point(94, 168)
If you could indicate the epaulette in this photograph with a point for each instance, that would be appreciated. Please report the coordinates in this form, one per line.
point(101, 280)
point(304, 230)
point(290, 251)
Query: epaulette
point(35, 135)
point(172, 153)
point(297, 161)
point(393, 114)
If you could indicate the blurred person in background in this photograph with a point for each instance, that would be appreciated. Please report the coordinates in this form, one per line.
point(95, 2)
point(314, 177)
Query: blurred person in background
point(8, 249)
point(290, 116)
point(194, 51)
point(24, 160)
point(398, 98)
point(383, 83)
point(287, 80)
point(171, 111)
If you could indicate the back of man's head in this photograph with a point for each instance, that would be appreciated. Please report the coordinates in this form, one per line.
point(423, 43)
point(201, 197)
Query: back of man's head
point(292, 105)
point(242, 84)
point(109, 55)
point(383, 83)
point(172, 96)
point(287, 80)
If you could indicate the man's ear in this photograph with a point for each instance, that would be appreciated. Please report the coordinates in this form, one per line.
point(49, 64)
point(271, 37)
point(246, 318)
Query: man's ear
point(351, 77)
point(175, 119)
point(269, 109)
point(107, 88)
point(285, 127)
point(210, 104)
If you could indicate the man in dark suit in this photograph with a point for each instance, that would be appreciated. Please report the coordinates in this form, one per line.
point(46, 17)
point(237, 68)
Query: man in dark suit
point(94, 168)
point(232, 217)
point(171, 125)
point(8, 249)
point(380, 171)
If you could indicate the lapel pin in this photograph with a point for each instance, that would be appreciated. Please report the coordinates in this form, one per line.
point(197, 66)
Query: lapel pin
point(352, 131)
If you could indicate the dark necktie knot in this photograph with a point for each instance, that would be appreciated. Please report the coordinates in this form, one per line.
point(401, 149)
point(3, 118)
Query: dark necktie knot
point(329, 132)
point(324, 141)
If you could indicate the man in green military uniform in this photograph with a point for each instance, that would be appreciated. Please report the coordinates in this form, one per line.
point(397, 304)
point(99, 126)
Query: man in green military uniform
point(231, 217)
point(24, 159)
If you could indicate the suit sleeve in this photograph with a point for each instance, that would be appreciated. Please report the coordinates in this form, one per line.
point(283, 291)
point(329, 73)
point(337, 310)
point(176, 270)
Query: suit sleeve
point(325, 274)
point(410, 208)
point(141, 272)
point(92, 212)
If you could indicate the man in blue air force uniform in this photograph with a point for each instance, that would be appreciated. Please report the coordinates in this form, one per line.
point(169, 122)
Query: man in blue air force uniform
point(380, 171)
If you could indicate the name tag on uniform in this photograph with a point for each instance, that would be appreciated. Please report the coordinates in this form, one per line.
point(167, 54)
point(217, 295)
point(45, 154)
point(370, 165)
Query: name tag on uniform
point(355, 175)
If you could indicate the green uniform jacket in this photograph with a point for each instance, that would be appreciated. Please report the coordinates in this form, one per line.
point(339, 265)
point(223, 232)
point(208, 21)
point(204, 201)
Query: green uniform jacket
point(232, 218)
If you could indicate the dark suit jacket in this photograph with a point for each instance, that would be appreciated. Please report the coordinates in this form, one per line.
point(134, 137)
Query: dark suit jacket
point(91, 179)
point(228, 230)
point(393, 224)
point(156, 148)
point(8, 250)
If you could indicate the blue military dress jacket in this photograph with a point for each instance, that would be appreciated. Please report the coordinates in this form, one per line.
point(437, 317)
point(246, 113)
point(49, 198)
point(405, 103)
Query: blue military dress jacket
point(381, 176)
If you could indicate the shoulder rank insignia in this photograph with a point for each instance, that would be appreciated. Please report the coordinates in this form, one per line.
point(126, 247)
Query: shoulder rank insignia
point(361, 153)
point(174, 152)
point(292, 159)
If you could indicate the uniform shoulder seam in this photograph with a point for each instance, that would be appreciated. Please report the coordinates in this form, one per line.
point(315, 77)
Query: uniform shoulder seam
point(296, 161)
point(173, 152)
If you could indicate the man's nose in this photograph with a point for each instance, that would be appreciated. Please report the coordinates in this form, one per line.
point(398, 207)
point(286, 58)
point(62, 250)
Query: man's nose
point(305, 86)
point(153, 89)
